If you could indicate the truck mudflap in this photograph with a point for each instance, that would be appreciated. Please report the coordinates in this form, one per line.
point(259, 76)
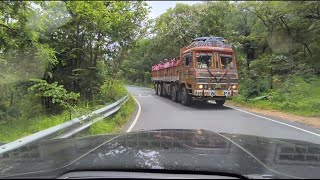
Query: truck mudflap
point(212, 93)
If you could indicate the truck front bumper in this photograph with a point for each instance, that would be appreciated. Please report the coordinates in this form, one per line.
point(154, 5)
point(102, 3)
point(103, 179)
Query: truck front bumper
point(214, 93)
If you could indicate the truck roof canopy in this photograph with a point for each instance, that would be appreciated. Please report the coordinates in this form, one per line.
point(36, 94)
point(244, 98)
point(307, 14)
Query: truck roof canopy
point(210, 38)
point(209, 41)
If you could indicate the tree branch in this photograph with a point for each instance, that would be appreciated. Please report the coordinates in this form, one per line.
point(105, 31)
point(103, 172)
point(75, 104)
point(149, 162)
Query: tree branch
point(288, 29)
point(69, 10)
point(8, 27)
point(305, 45)
point(261, 18)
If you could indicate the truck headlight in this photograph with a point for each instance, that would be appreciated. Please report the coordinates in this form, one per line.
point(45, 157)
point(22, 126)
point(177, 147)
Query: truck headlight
point(234, 87)
point(200, 86)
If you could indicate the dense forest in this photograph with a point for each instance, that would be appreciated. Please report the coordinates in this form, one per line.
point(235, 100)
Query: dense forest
point(62, 55)
point(276, 43)
point(58, 56)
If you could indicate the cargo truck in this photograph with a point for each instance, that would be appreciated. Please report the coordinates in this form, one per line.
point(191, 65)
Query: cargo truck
point(204, 70)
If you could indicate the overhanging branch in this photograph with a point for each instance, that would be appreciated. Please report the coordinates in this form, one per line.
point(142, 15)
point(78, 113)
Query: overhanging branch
point(8, 27)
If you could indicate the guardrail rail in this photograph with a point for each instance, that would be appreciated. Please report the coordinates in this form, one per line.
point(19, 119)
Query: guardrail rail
point(69, 128)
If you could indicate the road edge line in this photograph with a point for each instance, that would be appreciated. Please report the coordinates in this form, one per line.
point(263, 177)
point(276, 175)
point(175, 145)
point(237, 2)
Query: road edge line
point(137, 116)
point(279, 122)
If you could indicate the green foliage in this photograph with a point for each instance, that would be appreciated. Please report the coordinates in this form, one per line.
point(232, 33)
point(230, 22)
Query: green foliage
point(40, 120)
point(296, 95)
point(114, 123)
point(112, 90)
point(72, 46)
point(57, 93)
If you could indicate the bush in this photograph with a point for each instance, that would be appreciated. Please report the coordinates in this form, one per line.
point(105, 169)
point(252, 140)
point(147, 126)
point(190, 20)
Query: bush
point(114, 123)
point(56, 93)
point(112, 90)
point(296, 95)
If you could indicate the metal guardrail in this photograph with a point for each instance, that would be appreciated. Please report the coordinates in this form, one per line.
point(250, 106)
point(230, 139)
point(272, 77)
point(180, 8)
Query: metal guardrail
point(79, 124)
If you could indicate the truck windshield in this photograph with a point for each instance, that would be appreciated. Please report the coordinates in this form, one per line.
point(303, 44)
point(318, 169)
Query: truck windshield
point(204, 60)
point(226, 62)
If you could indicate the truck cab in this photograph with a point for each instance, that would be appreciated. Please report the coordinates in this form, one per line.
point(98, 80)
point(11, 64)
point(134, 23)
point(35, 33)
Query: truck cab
point(209, 71)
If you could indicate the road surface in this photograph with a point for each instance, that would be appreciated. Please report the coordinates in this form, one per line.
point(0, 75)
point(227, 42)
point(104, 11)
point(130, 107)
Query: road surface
point(162, 113)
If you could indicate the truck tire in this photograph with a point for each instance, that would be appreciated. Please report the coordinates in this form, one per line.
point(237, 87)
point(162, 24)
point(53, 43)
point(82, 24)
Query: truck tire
point(164, 92)
point(174, 94)
point(160, 89)
point(156, 88)
point(186, 99)
point(204, 101)
point(220, 102)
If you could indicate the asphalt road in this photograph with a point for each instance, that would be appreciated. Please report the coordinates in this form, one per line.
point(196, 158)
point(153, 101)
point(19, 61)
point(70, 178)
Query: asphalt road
point(162, 113)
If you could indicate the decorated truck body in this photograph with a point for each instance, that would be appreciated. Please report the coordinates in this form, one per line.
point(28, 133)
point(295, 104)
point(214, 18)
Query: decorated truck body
point(205, 70)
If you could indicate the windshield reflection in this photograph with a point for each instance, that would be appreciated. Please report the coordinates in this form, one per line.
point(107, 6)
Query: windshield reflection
point(167, 149)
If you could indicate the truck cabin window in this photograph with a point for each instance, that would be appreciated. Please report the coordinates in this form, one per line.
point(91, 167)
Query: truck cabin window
point(226, 62)
point(187, 60)
point(204, 60)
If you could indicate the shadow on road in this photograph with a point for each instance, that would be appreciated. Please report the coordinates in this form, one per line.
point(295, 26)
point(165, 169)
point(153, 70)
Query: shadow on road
point(205, 106)
point(197, 105)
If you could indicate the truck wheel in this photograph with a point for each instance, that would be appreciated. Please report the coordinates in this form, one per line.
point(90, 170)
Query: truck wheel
point(156, 88)
point(204, 100)
point(174, 94)
point(220, 102)
point(186, 99)
point(164, 92)
point(160, 89)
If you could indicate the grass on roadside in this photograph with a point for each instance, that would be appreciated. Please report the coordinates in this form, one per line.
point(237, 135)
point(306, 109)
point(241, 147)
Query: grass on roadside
point(21, 127)
point(34, 118)
point(114, 123)
point(297, 97)
point(304, 108)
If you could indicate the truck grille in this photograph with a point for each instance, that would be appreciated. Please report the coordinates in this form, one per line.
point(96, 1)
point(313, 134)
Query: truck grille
point(206, 80)
point(222, 86)
point(202, 80)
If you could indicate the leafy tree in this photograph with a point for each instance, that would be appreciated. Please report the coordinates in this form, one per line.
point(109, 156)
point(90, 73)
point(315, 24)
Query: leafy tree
point(54, 93)
point(76, 44)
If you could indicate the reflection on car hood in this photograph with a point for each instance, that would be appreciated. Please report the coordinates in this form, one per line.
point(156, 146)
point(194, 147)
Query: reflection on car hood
point(196, 150)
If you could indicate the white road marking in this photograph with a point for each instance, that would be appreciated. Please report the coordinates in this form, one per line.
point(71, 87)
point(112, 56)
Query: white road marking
point(275, 121)
point(139, 95)
point(137, 116)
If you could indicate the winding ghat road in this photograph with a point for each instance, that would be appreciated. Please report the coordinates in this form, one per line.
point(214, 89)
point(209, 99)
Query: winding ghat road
point(155, 112)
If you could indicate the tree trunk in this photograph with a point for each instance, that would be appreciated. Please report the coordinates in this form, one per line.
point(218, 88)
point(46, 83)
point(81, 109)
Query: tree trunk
point(94, 63)
point(271, 78)
point(77, 46)
point(11, 97)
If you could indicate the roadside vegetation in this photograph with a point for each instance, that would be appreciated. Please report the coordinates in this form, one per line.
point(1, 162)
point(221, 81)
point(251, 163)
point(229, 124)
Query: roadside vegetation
point(114, 123)
point(295, 95)
point(62, 59)
point(22, 126)
point(141, 84)
point(276, 44)
point(39, 119)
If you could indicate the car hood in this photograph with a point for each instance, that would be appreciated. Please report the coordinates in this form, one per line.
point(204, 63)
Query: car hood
point(174, 149)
